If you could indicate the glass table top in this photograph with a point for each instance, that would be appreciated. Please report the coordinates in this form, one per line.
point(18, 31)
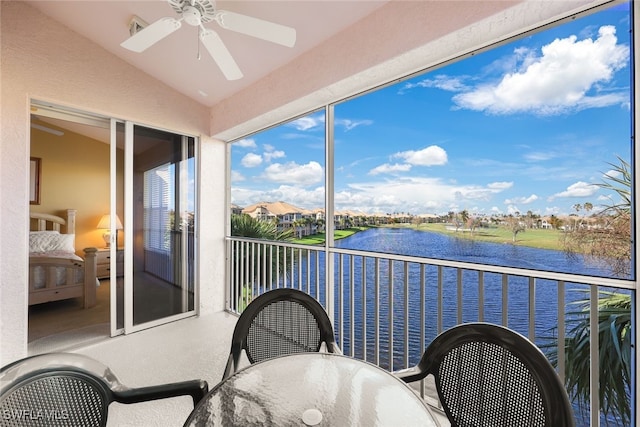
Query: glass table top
point(313, 389)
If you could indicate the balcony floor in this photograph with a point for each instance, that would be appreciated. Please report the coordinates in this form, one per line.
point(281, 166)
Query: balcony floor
point(196, 347)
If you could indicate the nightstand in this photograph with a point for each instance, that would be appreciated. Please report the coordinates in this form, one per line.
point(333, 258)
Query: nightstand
point(103, 262)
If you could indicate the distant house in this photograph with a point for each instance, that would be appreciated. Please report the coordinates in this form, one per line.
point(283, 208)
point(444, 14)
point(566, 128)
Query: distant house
point(286, 216)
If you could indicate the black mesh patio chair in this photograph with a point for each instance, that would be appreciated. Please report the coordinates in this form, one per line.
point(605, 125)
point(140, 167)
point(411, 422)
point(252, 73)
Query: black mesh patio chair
point(488, 375)
point(280, 322)
point(68, 389)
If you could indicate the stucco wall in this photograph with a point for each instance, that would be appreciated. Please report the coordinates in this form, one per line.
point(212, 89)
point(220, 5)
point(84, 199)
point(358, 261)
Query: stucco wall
point(41, 59)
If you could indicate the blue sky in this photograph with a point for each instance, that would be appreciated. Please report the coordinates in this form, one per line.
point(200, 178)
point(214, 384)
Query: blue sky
point(527, 126)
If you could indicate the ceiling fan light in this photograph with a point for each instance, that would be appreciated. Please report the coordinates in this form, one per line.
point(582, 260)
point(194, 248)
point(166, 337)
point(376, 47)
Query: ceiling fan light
point(192, 16)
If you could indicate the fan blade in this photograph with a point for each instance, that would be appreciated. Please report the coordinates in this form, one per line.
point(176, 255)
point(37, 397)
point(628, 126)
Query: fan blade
point(258, 28)
point(151, 34)
point(219, 52)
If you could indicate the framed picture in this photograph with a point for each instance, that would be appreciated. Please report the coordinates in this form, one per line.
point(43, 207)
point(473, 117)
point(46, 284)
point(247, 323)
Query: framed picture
point(34, 175)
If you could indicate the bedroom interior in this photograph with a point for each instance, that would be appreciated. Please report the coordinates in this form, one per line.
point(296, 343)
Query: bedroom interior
point(75, 154)
point(74, 172)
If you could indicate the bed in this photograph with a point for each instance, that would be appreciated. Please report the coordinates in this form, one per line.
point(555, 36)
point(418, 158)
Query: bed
point(55, 271)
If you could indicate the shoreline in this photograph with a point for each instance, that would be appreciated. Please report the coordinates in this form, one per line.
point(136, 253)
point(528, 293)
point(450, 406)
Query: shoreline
point(535, 238)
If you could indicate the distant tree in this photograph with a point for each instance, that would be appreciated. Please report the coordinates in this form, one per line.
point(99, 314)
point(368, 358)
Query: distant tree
point(529, 219)
point(515, 226)
point(610, 243)
point(473, 223)
point(555, 222)
point(464, 216)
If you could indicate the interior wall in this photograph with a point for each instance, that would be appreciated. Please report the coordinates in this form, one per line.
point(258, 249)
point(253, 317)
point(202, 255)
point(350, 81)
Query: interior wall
point(75, 174)
point(44, 60)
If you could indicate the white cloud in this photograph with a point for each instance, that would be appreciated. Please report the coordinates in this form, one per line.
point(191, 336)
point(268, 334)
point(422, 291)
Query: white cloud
point(298, 196)
point(351, 124)
point(236, 176)
point(512, 210)
point(270, 153)
point(500, 186)
point(579, 189)
point(251, 160)
point(556, 82)
point(441, 81)
point(292, 172)
point(539, 156)
point(307, 122)
point(411, 194)
point(612, 174)
point(315, 122)
point(387, 168)
point(430, 156)
point(246, 143)
point(521, 200)
point(414, 195)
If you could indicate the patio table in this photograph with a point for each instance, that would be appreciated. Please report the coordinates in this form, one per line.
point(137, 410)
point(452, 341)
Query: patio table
point(313, 389)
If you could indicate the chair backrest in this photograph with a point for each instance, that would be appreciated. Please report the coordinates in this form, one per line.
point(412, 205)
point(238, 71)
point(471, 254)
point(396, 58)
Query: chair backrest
point(279, 322)
point(68, 389)
point(489, 375)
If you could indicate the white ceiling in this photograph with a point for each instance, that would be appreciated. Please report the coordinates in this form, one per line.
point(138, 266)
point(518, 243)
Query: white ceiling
point(173, 60)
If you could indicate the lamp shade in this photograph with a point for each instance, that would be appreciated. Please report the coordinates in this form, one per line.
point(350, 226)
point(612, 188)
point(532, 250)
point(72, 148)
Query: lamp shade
point(105, 222)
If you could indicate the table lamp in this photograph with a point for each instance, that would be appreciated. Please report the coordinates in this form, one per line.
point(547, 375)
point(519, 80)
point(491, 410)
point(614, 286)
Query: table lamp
point(105, 224)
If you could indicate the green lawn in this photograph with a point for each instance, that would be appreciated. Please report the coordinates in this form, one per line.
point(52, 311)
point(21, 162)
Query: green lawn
point(537, 238)
point(318, 239)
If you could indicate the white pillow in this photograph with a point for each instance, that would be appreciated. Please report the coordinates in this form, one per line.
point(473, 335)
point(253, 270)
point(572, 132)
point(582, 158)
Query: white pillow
point(47, 242)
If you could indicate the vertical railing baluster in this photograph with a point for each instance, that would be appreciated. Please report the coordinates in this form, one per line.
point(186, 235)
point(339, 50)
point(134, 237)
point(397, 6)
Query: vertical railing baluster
point(364, 308)
point(440, 301)
point(505, 300)
point(406, 315)
point(423, 320)
point(233, 277)
point(327, 281)
point(242, 274)
point(341, 296)
point(480, 296)
point(390, 315)
point(278, 267)
point(532, 309)
point(271, 275)
point(594, 353)
point(309, 269)
point(352, 314)
point(376, 312)
point(251, 270)
point(459, 294)
point(561, 330)
point(298, 264)
point(285, 276)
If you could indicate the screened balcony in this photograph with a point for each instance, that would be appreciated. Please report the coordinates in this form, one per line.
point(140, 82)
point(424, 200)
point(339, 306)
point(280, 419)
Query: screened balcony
point(427, 296)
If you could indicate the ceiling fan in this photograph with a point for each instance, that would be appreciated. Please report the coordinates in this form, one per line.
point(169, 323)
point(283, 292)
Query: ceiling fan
point(199, 12)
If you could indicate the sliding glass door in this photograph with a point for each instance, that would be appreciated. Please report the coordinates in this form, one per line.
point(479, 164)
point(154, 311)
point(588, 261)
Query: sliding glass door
point(159, 227)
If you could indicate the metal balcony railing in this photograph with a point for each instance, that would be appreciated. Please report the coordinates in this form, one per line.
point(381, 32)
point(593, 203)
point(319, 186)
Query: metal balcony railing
point(387, 308)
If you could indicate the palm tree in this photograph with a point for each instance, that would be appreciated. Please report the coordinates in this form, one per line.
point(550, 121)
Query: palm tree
point(612, 244)
point(257, 264)
point(614, 334)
